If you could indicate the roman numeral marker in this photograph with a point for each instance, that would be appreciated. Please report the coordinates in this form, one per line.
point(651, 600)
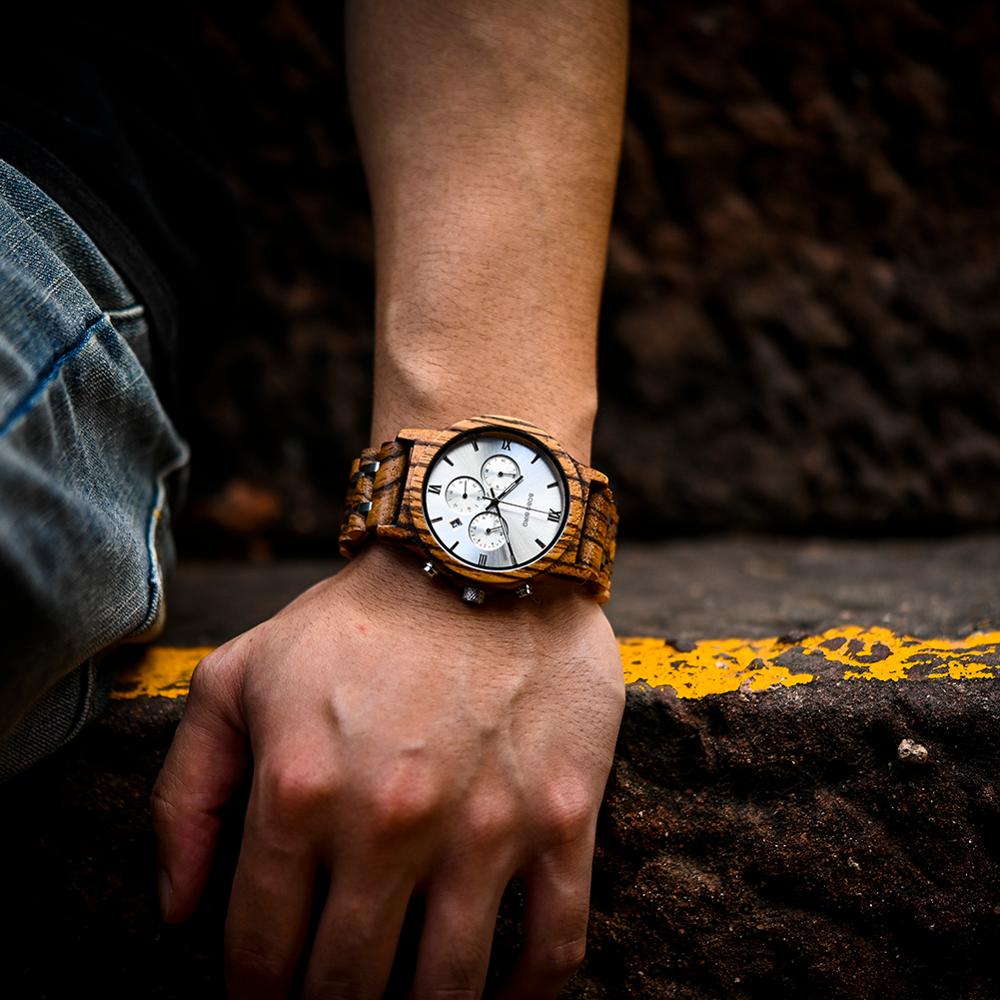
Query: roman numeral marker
point(505, 445)
point(555, 515)
point(434, 489)
point(482, 560)
point(457, 523)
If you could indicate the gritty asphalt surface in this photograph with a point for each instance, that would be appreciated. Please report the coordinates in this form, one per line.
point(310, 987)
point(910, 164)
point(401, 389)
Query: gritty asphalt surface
point(832, 840)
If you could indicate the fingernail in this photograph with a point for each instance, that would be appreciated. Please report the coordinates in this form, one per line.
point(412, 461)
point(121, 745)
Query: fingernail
point(166, 891)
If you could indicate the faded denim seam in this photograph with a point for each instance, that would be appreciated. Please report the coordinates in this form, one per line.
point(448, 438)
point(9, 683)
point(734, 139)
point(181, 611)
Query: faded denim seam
point(49, 374)
point(156, 510)
point(86, 709)
point(152, 529)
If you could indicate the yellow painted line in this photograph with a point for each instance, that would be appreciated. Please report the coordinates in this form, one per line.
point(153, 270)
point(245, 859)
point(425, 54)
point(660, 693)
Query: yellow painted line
point(850, 653)
point(712, 666)
point(163, 670)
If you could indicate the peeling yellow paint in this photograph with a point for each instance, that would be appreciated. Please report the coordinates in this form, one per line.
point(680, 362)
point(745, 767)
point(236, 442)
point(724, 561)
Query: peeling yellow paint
point(163, 670)
point(715, 666)
point(712, 666)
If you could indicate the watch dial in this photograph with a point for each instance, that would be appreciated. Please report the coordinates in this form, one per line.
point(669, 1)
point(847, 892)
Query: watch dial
point(495, 500)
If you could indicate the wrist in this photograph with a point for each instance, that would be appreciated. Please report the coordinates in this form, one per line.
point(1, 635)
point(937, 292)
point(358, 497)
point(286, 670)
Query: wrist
point(390, 580)
point(492, 503)
point(419, 395)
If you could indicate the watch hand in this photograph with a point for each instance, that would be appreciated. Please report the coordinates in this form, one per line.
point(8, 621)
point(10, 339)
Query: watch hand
point(520, 506)
point(496, 499)
point(506, 535)
point(509, 488)
point(503, 523)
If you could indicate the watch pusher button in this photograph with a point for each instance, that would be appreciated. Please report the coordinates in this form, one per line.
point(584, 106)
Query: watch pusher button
point(473, 595)
point(430, 569)
point(524, 590)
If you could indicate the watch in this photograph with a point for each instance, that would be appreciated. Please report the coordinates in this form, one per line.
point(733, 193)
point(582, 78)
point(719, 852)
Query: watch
point(489, 503)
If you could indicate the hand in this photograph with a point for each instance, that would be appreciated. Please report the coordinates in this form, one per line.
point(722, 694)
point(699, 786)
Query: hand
point(404, 743)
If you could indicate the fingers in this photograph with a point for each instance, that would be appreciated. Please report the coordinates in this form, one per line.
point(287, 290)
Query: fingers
point(270, 908)
point(297, 821)
point(557, 909)
point(205, 762)
point(459, 923)
point(356, 939)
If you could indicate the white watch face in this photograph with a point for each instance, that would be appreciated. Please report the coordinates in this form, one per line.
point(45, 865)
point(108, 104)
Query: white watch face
point(495, 500)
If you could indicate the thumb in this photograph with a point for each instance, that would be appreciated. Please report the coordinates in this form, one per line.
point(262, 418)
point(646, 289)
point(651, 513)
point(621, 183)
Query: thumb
point(204, 765)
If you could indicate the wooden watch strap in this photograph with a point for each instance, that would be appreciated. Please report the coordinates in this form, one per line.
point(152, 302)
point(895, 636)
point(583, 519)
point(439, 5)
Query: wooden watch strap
point(598, 539)
point(375, 494)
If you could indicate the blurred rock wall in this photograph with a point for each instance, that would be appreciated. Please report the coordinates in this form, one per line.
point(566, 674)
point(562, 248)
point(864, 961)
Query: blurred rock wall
point(801, 321)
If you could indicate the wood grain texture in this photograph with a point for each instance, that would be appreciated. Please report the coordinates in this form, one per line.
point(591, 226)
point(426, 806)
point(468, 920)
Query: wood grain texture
point(353, 527)
point(584, 551)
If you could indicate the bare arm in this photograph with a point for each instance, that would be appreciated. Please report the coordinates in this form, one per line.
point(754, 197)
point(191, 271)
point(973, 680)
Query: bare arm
point(490, 134)
point(404, 745)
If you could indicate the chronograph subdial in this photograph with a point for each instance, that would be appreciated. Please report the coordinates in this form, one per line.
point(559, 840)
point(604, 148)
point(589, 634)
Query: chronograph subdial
point(499, 472)
point(486, 532)
point(465, 494)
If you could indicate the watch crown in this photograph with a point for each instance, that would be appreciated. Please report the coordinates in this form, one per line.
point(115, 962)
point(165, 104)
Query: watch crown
point(473, 595)
point(430, 569)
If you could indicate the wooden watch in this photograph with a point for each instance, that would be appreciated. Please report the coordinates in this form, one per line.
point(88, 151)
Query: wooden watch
point(490, 503)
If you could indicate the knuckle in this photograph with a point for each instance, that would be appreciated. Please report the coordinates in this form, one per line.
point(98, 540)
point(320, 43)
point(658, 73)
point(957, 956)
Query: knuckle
point(403, 802)
point(568, 808)
point(249, 962)
point(205, 676)
point(453, 993)
point(161, 804)
point(457, 979)
point(167, 797)
point(217, 675)
point(297, 789)
point(563, 958)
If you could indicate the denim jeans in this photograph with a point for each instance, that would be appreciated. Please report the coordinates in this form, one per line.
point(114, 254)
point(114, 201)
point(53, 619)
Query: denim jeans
point(91, 467)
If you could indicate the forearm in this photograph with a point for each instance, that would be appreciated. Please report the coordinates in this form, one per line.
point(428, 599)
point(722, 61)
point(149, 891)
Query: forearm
point(490, 134)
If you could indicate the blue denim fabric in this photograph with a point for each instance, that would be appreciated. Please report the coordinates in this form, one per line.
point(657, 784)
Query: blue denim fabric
point(90, 468)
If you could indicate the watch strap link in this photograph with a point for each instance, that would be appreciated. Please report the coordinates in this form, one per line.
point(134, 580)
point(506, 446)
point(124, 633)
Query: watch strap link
point(374, 493)
point(598, 539)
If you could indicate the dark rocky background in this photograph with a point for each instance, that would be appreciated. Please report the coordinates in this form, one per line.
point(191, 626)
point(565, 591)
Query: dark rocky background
point(801, 322)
